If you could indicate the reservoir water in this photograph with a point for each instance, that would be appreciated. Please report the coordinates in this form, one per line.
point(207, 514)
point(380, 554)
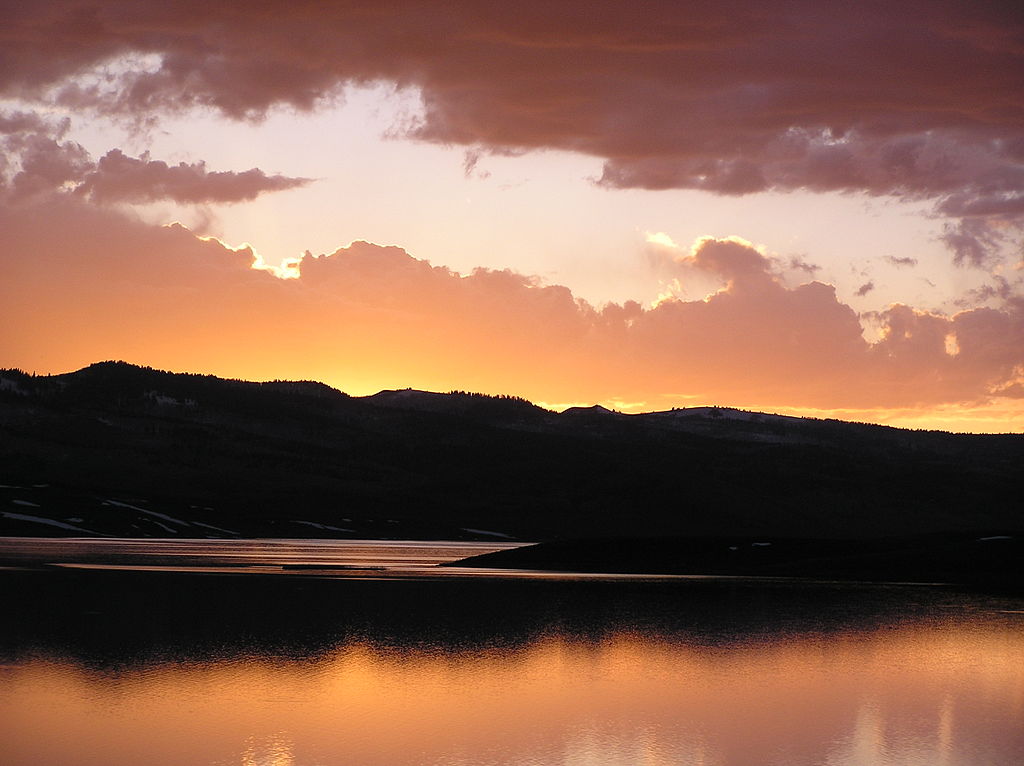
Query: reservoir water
point(240, 663)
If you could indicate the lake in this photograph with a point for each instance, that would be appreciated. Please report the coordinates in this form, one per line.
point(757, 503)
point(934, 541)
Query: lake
point(236, 662)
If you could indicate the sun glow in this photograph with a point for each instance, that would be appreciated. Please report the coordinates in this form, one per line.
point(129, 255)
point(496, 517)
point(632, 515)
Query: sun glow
point(557, 245)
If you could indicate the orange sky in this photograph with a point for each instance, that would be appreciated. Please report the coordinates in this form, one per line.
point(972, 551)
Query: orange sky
point(746, 204)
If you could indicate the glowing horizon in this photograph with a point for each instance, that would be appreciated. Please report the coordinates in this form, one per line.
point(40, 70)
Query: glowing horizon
point(588, 210)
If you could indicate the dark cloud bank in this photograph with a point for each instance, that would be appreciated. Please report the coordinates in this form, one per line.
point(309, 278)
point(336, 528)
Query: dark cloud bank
point(920, 100)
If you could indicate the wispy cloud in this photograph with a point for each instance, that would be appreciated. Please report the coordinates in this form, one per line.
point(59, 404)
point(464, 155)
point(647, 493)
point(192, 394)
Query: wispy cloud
point(40, 162)
point(897, 261)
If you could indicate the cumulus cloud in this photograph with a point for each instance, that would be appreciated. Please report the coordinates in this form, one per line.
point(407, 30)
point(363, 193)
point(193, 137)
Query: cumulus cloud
point(99, 284)
point(47, 166)
point(918, 100)
point(38, 161)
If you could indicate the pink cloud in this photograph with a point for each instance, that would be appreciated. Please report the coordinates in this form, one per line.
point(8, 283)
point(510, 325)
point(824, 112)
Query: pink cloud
point(47, 166)
point(120, 178)
point(900, 261)
point(799, 264)
point(919, 100)
point(38, 162)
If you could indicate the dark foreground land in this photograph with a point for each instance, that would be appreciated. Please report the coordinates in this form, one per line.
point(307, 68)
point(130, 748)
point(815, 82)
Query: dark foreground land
point(124, 451)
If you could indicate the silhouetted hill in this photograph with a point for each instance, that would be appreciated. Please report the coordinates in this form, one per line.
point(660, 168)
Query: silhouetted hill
point(116, 449)
point(496, 410)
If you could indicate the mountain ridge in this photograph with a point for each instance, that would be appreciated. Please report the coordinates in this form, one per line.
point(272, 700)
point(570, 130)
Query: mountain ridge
point(299, 458)
point(417, 399)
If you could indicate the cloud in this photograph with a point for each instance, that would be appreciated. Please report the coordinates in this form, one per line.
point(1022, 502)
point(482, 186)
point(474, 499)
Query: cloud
point(15, 122)
point(84, 283)
point(39, 162)
point(120, 178)
point(1000, 289)
point(1013, 391)
point(973, 241)
point(899, 261)
point(46, 166)
point(916, 100)
point(865, 288)
point(799, 264)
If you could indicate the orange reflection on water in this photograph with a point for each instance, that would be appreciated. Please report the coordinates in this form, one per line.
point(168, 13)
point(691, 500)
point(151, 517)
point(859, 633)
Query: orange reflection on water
point(275, 750)
point(946, 696)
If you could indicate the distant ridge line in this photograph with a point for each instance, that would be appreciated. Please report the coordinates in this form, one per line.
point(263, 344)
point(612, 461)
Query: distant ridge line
point(13, 379)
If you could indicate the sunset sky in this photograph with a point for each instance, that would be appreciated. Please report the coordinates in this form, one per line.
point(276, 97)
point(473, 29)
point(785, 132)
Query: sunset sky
point(800, 207)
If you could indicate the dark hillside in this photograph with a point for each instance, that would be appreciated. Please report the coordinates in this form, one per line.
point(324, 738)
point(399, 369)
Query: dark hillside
point(116, 449)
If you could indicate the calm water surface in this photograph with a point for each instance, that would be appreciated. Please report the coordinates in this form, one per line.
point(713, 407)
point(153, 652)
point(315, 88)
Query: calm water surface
point(161, 667)
point(265, 556)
